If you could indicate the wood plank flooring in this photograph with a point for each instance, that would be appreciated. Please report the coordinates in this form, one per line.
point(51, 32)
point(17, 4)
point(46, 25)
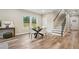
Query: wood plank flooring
point(69, 41)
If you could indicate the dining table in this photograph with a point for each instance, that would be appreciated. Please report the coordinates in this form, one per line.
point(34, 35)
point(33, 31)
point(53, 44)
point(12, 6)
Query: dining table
point(37, 32)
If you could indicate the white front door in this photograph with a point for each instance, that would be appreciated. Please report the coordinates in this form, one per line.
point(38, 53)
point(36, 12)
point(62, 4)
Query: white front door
point(74, 21)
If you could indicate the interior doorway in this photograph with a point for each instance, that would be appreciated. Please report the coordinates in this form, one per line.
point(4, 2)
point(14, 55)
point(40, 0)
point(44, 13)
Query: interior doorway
point(74, 26)
point(74, 21)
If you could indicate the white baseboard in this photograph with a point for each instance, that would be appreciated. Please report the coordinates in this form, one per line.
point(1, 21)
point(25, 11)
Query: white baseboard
point(20, 33)
point(23, 33)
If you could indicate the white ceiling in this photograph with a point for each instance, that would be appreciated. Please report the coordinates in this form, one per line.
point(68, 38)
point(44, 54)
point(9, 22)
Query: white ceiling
point(72, 11)
point(42, 11)
point(46, 11)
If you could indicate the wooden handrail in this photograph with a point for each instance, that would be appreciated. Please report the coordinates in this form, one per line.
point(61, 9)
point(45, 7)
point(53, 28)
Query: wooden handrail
point(57, 15)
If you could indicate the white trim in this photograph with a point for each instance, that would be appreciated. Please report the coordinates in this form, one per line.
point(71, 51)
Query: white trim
point(20, 33)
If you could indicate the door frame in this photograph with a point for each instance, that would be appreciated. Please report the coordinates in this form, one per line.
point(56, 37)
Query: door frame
point(74, 20)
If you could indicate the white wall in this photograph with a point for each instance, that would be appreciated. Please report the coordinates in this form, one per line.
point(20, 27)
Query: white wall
point(16, 16)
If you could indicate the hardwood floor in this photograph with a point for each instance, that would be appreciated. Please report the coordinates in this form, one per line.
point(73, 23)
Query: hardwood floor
point(69, 41)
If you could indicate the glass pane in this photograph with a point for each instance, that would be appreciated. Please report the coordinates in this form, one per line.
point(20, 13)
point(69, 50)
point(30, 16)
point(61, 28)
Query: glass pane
point(33, 22)
point(26, 21)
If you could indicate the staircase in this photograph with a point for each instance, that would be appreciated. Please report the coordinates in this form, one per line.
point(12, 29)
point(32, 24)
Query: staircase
point(59, 31)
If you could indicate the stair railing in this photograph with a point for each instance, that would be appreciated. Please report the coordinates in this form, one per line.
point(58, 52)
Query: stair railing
point(57, 15)
point(63, 26)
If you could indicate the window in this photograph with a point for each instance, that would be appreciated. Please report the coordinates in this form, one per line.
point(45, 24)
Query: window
point(26, 21)
point(33, 22)
point(29, 22)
